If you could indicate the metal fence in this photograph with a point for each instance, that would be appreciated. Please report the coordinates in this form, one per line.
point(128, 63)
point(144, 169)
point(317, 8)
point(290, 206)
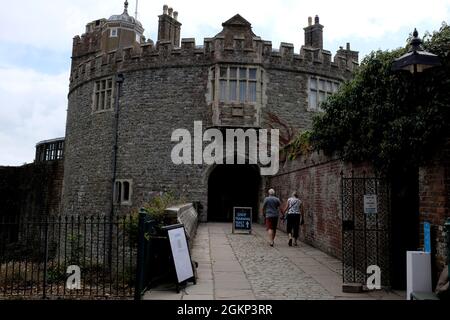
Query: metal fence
point(365, 234)
point(154, 263)
point(36, 253)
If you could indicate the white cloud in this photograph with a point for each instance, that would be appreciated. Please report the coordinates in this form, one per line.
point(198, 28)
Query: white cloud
point(33, 104)
point(32, 108)
point(52, 24)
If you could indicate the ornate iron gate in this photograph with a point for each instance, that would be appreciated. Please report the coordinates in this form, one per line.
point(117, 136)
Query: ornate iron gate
point(365, 228)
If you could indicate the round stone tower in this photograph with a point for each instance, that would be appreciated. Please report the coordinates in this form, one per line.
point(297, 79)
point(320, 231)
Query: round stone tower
point(127, 97)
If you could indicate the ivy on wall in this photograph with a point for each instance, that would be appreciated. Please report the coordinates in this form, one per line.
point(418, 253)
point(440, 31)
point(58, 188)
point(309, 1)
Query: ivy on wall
point(300, 145)
point(393, 119)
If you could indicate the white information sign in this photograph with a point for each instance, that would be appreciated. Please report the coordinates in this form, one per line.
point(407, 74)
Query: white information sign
point(370, 203)
point(180, 253)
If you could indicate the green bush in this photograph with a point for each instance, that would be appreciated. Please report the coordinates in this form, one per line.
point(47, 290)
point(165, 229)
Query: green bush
point(393, 119)
point(75, 243)
point(157, 206)
point(155, 210)
point(56, 274)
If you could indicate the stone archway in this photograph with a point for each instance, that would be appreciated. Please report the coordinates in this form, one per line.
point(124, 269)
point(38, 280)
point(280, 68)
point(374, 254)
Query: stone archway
point(232, 186)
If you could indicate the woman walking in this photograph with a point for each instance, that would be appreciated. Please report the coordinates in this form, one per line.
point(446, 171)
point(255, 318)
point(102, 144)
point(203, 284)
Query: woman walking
point(294, 216)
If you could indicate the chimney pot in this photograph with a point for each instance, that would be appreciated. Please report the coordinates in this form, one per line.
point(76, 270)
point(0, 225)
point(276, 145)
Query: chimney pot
point(170, 12)
point(348, 45)
point(175, 15)
point(309, 21)
point(316, 20)
point(165, 8)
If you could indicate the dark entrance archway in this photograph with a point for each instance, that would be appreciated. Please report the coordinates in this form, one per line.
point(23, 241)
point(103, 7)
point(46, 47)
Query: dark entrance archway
point(405, 222)
point(232, 186)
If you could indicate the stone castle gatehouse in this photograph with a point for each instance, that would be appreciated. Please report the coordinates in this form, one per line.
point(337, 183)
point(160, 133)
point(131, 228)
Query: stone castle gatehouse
point(118, 146)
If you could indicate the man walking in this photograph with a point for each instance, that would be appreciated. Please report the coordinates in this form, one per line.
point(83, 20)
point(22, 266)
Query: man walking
point(271, 212)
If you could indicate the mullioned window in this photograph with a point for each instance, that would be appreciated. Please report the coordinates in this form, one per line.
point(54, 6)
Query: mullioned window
point(319, 90)
point(103, 95)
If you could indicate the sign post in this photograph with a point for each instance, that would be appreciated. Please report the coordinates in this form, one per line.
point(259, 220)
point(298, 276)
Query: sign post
point(242, 219)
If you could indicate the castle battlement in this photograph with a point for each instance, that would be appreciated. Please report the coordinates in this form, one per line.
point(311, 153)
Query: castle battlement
point(110, 46)
point(214, 50)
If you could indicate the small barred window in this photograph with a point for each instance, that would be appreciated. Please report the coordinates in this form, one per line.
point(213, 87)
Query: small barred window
point(122, 192)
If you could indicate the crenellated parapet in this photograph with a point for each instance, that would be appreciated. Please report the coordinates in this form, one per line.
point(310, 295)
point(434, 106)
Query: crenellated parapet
point(83, 47)
point(235, 44)
point(213, 51)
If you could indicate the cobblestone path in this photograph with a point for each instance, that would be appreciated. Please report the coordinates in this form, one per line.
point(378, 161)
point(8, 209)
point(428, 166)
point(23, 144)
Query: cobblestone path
point(244, 267)
point(271, 274)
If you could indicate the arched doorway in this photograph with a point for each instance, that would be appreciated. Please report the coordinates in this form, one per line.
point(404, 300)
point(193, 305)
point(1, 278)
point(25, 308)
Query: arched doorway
point(232, 186)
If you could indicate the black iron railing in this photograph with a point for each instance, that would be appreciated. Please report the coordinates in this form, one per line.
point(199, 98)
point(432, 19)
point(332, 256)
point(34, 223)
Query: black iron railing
point(38, 256)
point(153, 256)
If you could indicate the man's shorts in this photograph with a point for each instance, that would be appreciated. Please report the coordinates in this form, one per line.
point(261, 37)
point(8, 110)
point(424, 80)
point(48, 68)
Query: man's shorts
point(272, 223)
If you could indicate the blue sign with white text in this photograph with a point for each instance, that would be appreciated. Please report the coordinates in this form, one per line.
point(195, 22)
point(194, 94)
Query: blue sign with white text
point(242, 219)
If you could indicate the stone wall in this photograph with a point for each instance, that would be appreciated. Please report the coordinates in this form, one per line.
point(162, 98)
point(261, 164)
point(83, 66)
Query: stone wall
point(154, 103)
point(32, 189)
point(434, 191)
point(317, 179)
point(157, 99)
point(166, 88)
point(186, 215)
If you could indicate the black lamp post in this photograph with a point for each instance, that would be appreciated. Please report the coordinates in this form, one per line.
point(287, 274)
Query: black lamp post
point(417, 59)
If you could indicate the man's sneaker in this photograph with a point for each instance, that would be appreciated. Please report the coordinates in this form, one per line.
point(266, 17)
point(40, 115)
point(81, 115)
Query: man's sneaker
point(290, 243)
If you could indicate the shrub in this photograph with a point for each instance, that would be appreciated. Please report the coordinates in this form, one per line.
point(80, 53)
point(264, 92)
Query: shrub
point(393, 119)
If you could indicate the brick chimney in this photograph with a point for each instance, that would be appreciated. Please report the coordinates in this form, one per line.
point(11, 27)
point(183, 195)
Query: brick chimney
point(169, 27)
point(350, 55)
point(314, 34)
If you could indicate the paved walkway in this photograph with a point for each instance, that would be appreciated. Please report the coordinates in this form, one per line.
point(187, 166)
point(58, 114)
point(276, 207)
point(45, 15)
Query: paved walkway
point(240, 266)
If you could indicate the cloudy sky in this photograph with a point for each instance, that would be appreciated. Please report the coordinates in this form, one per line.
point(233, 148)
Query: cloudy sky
point(36, 42)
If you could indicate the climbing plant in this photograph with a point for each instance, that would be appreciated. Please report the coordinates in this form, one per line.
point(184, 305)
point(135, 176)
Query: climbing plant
point(393, 119)
point(299, 145)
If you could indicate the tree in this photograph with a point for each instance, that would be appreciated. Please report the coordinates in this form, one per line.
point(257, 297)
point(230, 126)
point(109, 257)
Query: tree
point(394, 120)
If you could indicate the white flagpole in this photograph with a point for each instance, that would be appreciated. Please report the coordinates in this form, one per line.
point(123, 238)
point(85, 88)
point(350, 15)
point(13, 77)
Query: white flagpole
point(136, 12)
